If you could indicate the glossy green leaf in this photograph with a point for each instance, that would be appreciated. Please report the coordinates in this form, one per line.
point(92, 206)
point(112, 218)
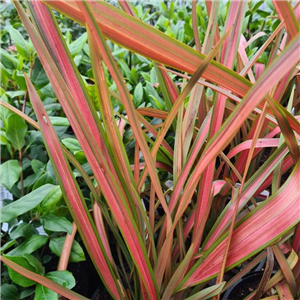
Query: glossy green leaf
point(64, 278)
point(9, 292)
point(76, 46)
point(72, 144)
point(76, 255)
point(8, 60)
point(37, 165)
point(22, 230)
point(39, 77)
point(21, 44)
point(57, 224)
point(44, 179)
point(10, 173)
point(26, 203)
point(7, 245)
point(51, 199)
point(138, 95)
point(43, 293)
point(30, 245)
point(16, 131)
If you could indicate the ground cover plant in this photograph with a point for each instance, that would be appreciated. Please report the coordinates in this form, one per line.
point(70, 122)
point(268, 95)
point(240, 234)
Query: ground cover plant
point(166, 135)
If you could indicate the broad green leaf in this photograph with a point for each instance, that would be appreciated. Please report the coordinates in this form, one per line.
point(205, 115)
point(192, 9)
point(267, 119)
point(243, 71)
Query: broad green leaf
point(188, 30)
point(64, 278)
point(26, 293)
point(51, 199)
point(26, 203)
point(30, 263)
point(16, 131)
point(10, 173)
point(7, 245)
point(14, 94)
point(59, 121)
point(9, 292)
point(37, 165)
point(21, 44)
point(39, 77)
point(138, 95)
point(72, 144)
point(43, 293)
point(76, 255)
point(30, 245)
point(22, 230)
point(8, 60)
point(36, 278)
point(18, 77)
point(76, 46)
point(55, 223)
point(4, 71)
point(44, 179)
point(3, 139)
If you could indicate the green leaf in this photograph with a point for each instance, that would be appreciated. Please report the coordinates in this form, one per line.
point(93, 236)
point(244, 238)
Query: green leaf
point(8, 60)
point(59, 121)
point(9, 292)
point(30, 245)
point(44, 179)
point(13, 94)
point(43, 293)
point(76, 255)
point(20, 80)
point(72, 144)
point(10, 173)
point(153, 77)
point(43, 280)
point(28, 262)
point(26, 293)
point(64, 278)
point(55, 223)
point(3, 139)
point(125, 69)
point(20, 43)
point(22, 230)
point(78, 45)
point(26, 203)
point(7, 245)
point(16, 131)
point(37, 165)
point(138, 95)
point(188, 30)
point(5, 71)
point(51, 199)
point(38, 76)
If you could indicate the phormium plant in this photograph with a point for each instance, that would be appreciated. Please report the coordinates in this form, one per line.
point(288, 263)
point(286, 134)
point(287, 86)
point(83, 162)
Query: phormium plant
point(186, 209)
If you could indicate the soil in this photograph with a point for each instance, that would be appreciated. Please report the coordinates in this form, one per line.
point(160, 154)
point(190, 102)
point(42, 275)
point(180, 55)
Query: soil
point(87, 278)
point(244, 288)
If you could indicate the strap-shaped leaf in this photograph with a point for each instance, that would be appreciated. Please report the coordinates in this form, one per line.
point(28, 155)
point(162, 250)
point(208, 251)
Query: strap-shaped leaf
point(254, 232)
point(73, 195)
point(143, 39)
point(63, 291)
